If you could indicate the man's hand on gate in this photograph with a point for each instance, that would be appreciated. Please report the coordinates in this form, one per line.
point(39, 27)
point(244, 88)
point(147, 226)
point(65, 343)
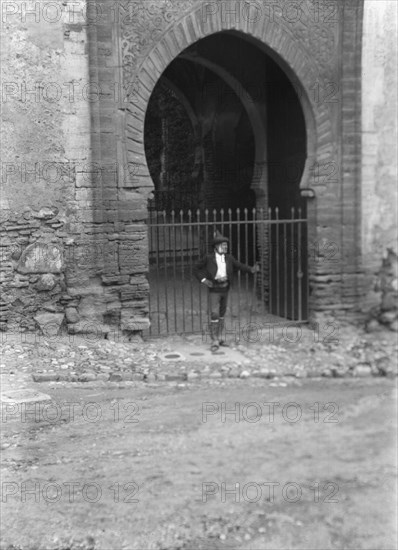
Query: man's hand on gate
point(255, 268)
point(208, 283)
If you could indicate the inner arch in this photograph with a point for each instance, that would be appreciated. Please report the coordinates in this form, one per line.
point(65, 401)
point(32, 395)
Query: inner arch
point(267, 112)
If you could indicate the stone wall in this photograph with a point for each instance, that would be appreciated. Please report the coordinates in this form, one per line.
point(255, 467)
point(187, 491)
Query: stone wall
point(379, 196)
point(46, 155)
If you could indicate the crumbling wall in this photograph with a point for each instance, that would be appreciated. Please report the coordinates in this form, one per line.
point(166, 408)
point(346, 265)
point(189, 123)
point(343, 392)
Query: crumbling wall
point(32, 270)
point(45, 153)
point(379, 193)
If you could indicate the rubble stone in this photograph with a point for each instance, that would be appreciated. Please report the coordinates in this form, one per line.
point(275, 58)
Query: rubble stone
point(49, 323)
point(394, 326)
point(72, 315)
point(362, 370)
point(46, 282)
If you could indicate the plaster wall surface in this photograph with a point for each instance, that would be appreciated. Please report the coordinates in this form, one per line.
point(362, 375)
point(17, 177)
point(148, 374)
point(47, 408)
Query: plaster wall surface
point(46, 120)
point(379, 192)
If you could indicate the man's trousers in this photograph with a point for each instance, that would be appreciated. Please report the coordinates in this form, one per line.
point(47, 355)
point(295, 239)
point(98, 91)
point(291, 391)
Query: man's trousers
point(217, 308)
point(218, 304)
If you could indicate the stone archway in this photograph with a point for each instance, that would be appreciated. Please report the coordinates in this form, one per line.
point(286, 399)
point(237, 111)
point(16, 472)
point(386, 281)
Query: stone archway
point(276, 42)
point(272, 40)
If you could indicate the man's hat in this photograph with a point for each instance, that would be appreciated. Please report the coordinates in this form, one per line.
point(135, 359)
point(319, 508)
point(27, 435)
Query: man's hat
point(218, 239)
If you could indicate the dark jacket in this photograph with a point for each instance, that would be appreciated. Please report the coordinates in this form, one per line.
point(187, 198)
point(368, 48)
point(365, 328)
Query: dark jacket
point(206, 268)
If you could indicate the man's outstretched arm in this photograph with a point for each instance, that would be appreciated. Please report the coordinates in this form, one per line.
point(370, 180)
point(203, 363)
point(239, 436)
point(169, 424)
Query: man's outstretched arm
point(238, 266)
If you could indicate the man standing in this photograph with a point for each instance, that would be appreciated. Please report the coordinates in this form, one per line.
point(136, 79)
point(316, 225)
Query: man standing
point(216, 271)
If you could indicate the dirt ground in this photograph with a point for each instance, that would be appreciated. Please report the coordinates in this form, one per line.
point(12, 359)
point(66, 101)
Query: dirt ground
point(169, 466)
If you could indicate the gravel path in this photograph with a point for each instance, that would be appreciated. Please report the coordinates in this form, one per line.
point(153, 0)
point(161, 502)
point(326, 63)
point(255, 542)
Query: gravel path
point(282, 355)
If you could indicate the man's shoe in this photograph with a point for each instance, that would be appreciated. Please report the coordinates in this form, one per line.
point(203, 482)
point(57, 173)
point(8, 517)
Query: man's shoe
point(214, 347)
point(224, 344)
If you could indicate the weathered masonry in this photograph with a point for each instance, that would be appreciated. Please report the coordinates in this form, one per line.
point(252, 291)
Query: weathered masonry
point(76, 180)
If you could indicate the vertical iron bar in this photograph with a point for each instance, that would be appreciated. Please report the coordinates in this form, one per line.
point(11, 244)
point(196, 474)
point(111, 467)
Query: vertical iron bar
point(207, 231)
point(292, 260)
point(206, 252)
point(200, 254)
point(277, 262)
point(285, 268)
point(262, 232)
point(299, 273)
point(246, 260)
point(157, 268)
point(238, 233)
point(182, 268)
point(165, 270)
point(214, 221)
point(305, 254)
point(189, 239)
point(223, 233)
point(169, 264)
point(230, 251)
point(149, 269)
point(254, 232)
point(173, 221)
point(238, 226)
point(270, 245)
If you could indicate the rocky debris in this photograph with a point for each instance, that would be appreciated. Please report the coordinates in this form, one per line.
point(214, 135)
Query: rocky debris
point(57, 359)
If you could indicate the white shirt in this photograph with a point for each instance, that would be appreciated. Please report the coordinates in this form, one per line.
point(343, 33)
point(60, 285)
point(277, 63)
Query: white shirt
point(221, 266)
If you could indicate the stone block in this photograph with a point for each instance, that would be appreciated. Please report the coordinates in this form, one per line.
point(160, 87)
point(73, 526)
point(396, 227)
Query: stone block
point(49, 323)
point(95, 328)
point(46, 377)
point(72, 315)
point(41, 258)
point(394, 326)
point(46, 213)
point(389, 302)
point(46, 282)
point(115, 377)
point(133, 324)
point(388, 317)
point(87, 377)
point(362, 370)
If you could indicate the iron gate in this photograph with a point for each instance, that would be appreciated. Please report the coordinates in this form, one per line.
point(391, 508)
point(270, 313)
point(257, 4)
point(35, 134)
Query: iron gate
point(178, 302)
